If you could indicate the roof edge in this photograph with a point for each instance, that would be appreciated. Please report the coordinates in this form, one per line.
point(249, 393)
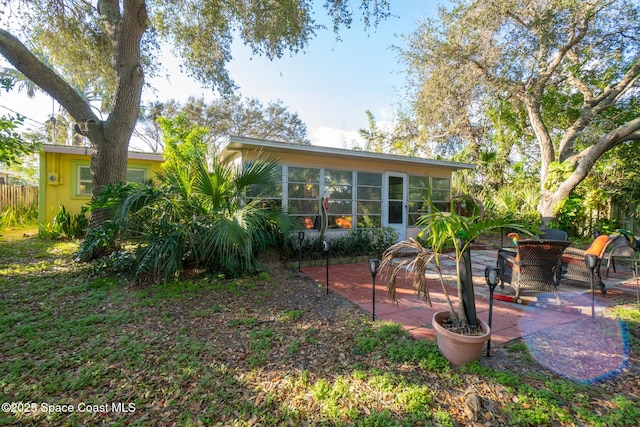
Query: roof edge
point(88, 151)
point(238, 142)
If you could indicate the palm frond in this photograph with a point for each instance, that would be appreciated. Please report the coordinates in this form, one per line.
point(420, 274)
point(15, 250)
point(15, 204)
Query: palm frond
point(395, 261)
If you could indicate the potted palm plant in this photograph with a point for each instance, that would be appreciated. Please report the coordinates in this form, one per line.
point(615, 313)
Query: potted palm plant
point(441, 233)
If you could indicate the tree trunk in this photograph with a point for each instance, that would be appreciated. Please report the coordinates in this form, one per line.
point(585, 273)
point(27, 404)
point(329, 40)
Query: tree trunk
point(465, 286)
point(111, 137)
point(108, 166)
point(546, 207)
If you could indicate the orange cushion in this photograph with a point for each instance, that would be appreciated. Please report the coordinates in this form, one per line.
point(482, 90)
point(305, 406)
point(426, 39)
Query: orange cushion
point(597, 246)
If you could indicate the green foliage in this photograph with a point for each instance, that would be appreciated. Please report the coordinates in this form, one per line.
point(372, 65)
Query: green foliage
point(379, 336)
point(260, 343)
point(183, 140)
point(12, 147)
point(97, 240)
point(570, 216)
point(110, 48)
point(424, 353)
point(195, 218)
point(359, 242)
point(558, 173)
point(517, 200)
point(291, 315)
point(506, 92)
point(20, 216)
point(406, 138)
point(203, 342)
point(443, 231)
point(66, 225)
point(394, 341)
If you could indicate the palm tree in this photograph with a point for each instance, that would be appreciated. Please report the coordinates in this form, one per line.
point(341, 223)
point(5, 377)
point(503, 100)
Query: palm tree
point(200, 218)
point(443, 231)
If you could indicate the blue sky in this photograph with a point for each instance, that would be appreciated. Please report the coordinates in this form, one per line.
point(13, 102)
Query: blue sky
point(330, 86)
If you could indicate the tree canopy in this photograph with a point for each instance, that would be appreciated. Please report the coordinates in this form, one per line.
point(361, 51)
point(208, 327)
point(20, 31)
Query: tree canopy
point(12, 146)
point(74, 47)
point(224, 117)
point(503, 74)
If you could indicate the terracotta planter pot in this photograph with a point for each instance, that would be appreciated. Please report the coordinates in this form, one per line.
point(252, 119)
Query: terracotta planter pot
point(457, 348)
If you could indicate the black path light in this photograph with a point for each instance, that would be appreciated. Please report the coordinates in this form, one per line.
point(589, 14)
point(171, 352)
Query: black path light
point(325, 248)
point(492, 275)
point(300, 240)
point(373, 268)
point(591, 261)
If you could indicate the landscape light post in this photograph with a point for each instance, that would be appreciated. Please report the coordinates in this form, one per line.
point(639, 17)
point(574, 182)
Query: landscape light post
point(492, 275)
point(325, 247)
point(300, 240)
point(373, 268)
point(591, 261)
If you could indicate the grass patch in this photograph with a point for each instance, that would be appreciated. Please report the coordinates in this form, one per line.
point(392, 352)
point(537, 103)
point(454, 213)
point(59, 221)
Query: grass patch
point(212, 351)
point(290, 315)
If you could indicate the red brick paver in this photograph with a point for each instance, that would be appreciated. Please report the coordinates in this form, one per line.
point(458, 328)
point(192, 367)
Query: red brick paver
point(509, 320)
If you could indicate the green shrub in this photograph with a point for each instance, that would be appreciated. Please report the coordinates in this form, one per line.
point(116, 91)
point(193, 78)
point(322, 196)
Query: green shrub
point(20, 216)
point(193, 218)
point(66, 225)
point(359, 242)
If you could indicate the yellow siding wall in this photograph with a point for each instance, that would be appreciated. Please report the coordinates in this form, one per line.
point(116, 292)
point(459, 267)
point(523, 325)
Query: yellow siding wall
point(63, 192)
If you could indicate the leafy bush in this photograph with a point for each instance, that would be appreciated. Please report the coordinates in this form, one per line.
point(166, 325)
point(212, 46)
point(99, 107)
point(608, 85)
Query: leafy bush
point(359, 242)
point(193, 219)
point(66, 225)
point(12, 217)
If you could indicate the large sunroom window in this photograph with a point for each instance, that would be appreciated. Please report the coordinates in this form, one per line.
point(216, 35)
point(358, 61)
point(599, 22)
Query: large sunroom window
point(419, 196)
point(369, 200)
point(269, 193)
point(441, 193)
point(303, 195)
point(339, 187)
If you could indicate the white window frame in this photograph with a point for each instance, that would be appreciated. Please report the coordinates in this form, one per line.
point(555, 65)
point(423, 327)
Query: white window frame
point(79, 181)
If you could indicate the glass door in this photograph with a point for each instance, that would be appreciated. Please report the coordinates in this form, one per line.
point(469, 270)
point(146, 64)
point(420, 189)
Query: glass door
point(395, 205)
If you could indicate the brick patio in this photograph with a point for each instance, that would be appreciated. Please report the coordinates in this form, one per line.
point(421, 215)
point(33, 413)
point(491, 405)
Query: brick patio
point(509, 320)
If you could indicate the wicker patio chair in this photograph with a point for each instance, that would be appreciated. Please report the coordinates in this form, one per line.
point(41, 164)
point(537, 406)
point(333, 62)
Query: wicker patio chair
point(574, 267)
point(532, 265)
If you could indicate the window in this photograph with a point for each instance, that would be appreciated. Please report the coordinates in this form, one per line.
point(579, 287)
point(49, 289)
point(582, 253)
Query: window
point(139, 176)
point(441, 193)
point(339, 186)
point(419, 196)
point(84, 180)
point(270, 193)
point(369, 200)
point(303, 196)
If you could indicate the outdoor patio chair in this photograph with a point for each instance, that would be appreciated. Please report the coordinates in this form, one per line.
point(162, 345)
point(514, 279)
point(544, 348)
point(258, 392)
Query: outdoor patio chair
point(622, 249)
point(551, 234)
point(574, 267)
point(532, 265)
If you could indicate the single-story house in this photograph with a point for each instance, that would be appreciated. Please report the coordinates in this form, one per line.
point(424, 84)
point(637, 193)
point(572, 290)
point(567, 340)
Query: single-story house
point(65, 177)
point(364, 190)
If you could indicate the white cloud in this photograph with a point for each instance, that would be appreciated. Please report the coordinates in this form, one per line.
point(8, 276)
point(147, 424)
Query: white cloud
point(326, 136)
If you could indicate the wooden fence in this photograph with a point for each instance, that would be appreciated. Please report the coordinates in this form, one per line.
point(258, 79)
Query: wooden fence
point(18, 196)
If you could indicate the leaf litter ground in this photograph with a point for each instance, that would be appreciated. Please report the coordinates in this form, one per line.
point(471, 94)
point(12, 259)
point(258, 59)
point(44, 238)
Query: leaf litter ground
point(274, 350)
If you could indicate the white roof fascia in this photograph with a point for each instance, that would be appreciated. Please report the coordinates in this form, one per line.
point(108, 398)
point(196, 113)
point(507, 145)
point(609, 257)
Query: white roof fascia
point(88, 151)
point(237, 143)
